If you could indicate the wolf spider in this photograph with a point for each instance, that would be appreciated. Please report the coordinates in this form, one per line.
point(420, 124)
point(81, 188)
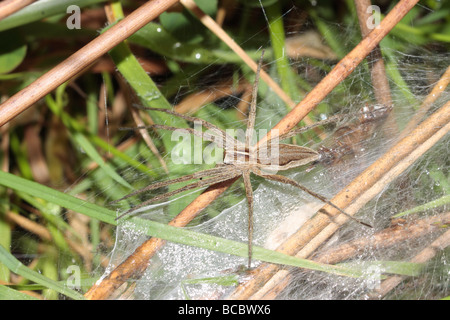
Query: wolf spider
point(240, 159)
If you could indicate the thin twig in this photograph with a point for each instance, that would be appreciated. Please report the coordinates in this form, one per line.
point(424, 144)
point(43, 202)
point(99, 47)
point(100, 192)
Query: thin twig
point(375, 60)
point(434, 94)
point(218, 31)
point(83, 58)
point(386, 238)
point(425, 255)
point(147, 138)
point(9, 7)
point(29, 225)
point(344, 68)
point(4, 147)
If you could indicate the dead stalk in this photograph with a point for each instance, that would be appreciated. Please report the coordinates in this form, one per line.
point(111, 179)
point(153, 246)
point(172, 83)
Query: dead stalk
point(343, 68)
point(425, 255)
point(219, 32)
point(9, 7)
point(383, 239)
point(388, 237)
point(82, 59)
point(318, 229)
point(435, 93)
point(375, 60)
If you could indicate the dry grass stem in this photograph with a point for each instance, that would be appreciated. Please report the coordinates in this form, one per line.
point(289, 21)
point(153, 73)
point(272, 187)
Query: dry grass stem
point(148, 140)
point(388, 177)
point(375, 58)
point(343, 68)
point(395, 234)
point(197, 100)
point(29, 225)
point(218, 31)
point(318, 229)
point(388, 237)
point(4, 147)
point(435, 93)
point(8, 7)
point(82, 59)
point(425, 255)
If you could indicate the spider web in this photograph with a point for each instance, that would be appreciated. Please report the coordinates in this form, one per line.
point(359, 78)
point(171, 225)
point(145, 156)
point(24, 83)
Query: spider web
point(181, 272)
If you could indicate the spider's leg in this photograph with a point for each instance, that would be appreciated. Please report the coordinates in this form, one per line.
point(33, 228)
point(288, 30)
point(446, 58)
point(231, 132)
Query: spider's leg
point(206, 182)
point(252, 112)
point(225, 136)
point(286, 180)
point(307, 128)
point(365, 115)
point(249, 195)
point(197, 175)
point(204, 135)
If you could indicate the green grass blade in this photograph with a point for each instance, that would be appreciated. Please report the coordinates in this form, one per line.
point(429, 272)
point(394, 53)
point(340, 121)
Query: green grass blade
point(17, 267)
point(392, 267)
point(205, 241)
point(277, 39)
point(84, 143)
point(40, 10)
point(11, 294)
point(227, 280)
point(64, 200)
point(430, 205)
point(163, 231)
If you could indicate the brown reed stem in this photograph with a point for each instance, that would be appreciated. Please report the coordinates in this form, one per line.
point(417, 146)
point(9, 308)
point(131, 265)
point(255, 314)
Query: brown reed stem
point(425, 255)
point(83, 58)
point(8, 7)
point(386, 238)
point(319, 228)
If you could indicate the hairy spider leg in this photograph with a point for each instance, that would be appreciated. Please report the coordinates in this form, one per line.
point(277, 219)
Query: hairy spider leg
point(283, 179)
point(204, 123)
point(204, 135)
point(197, 175)
point(223, 176)
point(246, 173)
point(249, 196)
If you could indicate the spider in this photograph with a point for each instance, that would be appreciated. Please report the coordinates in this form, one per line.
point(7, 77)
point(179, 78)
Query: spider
point(241, 159)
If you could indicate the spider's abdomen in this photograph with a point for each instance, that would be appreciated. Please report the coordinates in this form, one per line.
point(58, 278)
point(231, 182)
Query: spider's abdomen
point(285, 156)
point(275, 156)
